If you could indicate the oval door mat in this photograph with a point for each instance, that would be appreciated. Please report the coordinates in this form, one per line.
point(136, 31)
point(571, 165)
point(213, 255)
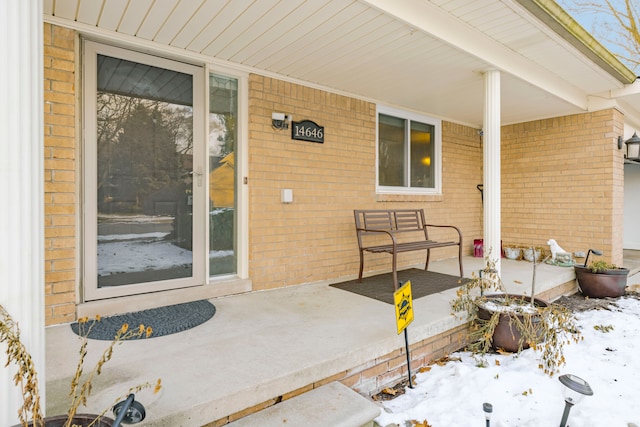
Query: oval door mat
point(163, 320)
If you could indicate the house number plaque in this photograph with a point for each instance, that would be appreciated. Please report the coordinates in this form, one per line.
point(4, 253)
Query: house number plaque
point(307, 130)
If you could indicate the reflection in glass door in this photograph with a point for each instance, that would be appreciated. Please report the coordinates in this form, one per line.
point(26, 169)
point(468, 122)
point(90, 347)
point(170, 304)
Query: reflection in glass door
point(144, 177)
point(145, 156)
point(223, 136)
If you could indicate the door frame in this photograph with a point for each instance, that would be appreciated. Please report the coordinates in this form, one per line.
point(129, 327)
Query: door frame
point(242, 173)
point(89, 184)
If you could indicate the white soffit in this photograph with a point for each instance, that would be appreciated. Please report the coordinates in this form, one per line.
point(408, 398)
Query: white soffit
point(423, 55)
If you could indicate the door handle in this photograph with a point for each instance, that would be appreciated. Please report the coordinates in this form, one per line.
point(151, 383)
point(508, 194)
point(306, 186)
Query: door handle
point(198, 174)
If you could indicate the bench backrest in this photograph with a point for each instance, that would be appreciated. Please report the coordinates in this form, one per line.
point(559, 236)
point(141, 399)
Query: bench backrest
point(390, 219)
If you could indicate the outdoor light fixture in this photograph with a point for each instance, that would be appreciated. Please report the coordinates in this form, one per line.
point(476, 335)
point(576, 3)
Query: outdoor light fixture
point(633, 148)
point(128, 411)
point(280, 121)
point(575, 389)
point(594, 251)
point(488, 410)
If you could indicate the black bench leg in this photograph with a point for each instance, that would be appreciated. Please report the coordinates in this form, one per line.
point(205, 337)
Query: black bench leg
point(426, 264)
point(394, 273)
point(361, 266)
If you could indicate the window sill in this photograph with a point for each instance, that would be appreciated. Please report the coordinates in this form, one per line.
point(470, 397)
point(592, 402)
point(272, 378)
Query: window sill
point(409, 197)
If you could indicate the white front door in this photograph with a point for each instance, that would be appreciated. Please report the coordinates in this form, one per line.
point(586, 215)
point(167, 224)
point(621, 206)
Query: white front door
point(145, 167)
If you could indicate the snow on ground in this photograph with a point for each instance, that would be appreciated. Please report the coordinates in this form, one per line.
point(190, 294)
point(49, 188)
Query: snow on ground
point(142, 236)
point(142, 252)
point(522, 395)
point(137, 255)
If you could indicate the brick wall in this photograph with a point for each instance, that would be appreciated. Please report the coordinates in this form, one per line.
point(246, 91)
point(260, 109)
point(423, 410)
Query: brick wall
point(313, 238)
point(563, 178)
point(60, 173)
point(390, 369)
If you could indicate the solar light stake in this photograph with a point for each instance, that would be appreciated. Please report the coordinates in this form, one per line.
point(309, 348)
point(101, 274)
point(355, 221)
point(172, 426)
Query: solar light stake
point(128, 411)
point(575, 389)
point(488, 410)
point(565, 414)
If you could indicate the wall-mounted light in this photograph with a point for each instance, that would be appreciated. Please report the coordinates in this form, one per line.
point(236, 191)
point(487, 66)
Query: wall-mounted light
point(575, 388)
point(280, 121)
point(633, 148)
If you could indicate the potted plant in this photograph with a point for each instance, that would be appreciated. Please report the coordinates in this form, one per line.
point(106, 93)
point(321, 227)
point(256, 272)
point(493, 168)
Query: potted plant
point(601, 279)
point(502, 321)
point(30, 414)
point(512, 252)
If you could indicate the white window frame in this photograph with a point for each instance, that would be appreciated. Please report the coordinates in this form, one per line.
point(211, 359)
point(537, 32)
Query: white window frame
point(437, 161)
point(242, 171)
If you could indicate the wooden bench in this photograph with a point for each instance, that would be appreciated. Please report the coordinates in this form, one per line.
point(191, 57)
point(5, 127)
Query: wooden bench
point(406, 230)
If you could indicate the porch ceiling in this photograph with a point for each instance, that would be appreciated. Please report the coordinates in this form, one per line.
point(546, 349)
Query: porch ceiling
point(424, 55)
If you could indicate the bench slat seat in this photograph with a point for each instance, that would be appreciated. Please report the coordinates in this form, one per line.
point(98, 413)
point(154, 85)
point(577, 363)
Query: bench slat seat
point(409, 246)
point(397, 223)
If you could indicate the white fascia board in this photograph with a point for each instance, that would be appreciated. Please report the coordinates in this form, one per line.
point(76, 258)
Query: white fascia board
point(432, 20)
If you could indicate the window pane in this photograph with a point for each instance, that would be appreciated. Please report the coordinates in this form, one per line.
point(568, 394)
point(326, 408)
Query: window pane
point(135, 80)
point(223, 133)
point(422, 143)
point(391, 151)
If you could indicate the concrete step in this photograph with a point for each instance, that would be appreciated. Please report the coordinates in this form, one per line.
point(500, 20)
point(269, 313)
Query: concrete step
point(331, 405)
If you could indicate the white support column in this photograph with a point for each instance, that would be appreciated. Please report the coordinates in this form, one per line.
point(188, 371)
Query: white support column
point(491, 155)
point(21, 189)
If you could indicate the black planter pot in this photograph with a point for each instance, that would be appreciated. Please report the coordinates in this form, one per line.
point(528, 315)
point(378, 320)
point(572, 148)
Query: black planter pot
point(506, 335)
point(607, 283)
point(82, 420)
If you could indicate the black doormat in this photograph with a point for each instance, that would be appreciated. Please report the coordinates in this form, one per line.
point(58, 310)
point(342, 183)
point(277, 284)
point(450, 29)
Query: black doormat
point(163, 320)
point(423, 283)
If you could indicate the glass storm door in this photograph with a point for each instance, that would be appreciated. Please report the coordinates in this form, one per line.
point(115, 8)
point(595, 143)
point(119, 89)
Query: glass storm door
point(144, 187)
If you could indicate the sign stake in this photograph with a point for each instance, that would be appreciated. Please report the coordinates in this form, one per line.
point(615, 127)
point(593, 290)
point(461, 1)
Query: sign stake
point(406, 346)
point(403, 301)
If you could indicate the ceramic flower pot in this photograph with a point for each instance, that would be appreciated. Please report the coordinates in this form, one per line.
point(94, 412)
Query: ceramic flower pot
point(532, 255)
point(512, 253)
point(506, 335)
point(607, 283)
point(82, 420)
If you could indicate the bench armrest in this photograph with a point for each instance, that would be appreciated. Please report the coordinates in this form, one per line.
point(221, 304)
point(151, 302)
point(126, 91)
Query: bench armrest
point(375, 230)
point(447, 226)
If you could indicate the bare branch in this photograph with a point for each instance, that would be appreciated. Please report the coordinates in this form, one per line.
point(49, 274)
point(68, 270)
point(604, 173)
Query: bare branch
point(614, 23)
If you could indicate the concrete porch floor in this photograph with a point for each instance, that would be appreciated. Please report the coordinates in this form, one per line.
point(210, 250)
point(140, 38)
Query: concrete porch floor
point(263, 345)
